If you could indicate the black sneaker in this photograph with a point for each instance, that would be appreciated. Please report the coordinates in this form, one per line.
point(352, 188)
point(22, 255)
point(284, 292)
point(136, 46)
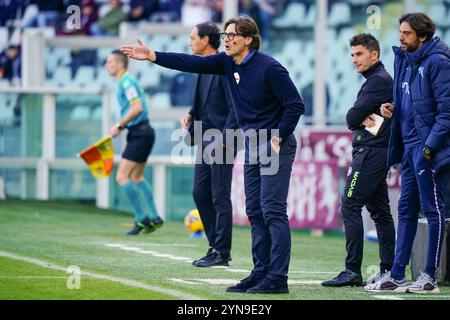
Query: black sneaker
point(153, 224)
point(139, 226)
point(269, 286)
point(212, 260)
point(345, 278)
point(245, 284)
point(208, 253)
point(157, 222)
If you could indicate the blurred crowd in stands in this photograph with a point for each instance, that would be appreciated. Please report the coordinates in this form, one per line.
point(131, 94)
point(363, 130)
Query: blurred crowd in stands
point(103, 18)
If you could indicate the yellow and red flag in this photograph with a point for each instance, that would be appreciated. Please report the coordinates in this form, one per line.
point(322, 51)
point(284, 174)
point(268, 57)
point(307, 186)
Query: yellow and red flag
point(100, 157)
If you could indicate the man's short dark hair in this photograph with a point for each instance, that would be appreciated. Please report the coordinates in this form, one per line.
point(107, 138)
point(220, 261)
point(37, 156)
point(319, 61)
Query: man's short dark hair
point(248, 27)
point(366, 40)
point(121, 57)
point(212, 31)
point(420, 23)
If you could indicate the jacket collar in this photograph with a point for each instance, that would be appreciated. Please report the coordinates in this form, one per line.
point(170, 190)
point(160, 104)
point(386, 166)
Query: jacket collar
point(416, 57)
point(376, 66)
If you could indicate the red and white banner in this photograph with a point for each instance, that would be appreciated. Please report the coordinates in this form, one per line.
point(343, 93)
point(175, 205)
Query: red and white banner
point(318, 178)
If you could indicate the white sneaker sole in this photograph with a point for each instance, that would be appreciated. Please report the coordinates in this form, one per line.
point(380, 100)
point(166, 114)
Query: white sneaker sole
point(434, 291)
point(399, 289)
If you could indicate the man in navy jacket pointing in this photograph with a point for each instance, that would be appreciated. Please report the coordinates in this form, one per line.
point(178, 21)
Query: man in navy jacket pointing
point(265, 101)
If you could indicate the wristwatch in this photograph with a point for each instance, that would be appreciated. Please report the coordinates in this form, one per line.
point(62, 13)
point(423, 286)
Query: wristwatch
point(119, 126)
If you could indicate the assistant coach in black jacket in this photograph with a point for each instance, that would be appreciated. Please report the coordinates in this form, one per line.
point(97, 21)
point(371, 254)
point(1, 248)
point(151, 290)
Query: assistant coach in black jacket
point(366, 179)
point(212, 181)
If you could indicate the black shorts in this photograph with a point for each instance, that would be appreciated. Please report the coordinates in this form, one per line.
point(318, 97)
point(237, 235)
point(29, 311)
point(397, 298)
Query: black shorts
point(140, 140)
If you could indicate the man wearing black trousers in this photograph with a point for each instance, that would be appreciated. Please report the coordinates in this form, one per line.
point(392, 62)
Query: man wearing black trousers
point(212, 180)
point(266, 104)
point(366, 180)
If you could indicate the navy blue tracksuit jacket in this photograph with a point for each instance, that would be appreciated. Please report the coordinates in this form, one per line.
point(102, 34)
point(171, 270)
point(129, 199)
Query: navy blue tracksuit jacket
point(421, 98)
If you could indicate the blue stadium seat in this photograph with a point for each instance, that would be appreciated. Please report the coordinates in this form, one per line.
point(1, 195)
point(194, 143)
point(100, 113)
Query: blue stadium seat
point(80, 113)
point(438, 12)
point(3, 38)
point(160, 100)
point(294, 12)
point(61, 77)
point(340, 14)
point(310, 18)
point(85, 77)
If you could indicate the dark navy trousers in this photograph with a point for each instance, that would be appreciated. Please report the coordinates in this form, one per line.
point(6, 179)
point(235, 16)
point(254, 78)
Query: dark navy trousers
point(266, 180)
point(212, 196)
point(366, 186)
point(421, 191)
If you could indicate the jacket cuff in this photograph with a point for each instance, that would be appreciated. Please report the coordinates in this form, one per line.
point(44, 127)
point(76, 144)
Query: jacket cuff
point(435, 143)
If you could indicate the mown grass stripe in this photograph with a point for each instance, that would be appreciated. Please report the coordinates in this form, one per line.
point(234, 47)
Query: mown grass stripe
point(127, 282)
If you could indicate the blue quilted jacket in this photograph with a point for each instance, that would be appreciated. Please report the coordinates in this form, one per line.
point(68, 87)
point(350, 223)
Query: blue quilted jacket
point(430, 94)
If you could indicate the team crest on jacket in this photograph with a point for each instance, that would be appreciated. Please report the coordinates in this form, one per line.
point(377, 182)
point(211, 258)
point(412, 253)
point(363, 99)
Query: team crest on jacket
point(421, 71)
point(237, 77)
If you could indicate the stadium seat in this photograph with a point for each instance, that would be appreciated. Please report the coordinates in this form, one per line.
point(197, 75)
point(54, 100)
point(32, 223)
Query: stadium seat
point(150, 78)
point(160, 100)
point(85, 77)
point(96, 113)
point(104, 79)
point(447, 37)
point(80, 113)
point(294, 12)
point(292, 47)
point(102, 55)
point(61, 77)
point(310, 18)
point(3, 38)
point(340, 14)
point(159, 41)
point(438, 12)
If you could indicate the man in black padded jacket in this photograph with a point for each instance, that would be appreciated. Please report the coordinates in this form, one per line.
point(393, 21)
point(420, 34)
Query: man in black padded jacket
point(366, 179)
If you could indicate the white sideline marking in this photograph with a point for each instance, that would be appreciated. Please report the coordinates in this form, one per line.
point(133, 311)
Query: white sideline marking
point(33, 277)
point(152, 245)
point(147, 252)
point(181, 258)
point(131, 249)
point(233, 281)
point(153, 253)
point(189, 260)
point(169, 245)
point(305, 282)
point(127, 282)
point(290, 272)
point(114, 245)
point(314, 272)
point(238, 270)
point(388, 297)
point(218, 281)
point(162, 255)
point(182, 281)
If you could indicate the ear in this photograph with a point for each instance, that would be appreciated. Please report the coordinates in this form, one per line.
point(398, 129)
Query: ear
point(422, 39)
point(248, 41)
point(375, 55)
point(205, 40)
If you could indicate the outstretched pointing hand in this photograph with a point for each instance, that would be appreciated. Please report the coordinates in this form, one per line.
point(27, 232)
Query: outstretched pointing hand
point(139, 51)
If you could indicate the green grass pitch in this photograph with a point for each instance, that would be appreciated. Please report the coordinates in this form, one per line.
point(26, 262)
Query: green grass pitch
point(39, 240)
